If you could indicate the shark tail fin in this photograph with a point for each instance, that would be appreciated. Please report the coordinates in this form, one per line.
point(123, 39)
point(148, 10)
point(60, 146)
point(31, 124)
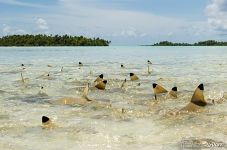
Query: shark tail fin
point(22, 78)
point(123, 84)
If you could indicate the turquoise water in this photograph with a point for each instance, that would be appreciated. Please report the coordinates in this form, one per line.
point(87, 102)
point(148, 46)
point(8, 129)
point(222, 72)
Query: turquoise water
point(144, 125)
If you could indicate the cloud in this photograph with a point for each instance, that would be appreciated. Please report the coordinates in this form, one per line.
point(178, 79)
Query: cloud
point(78, 17)
point(170, 34)
point(143, 34)
point(130, 32)
point(217, 14)
point(126, 23)
point(81, 17)
point(8, 30)
point(19, 3)
point(41, 24)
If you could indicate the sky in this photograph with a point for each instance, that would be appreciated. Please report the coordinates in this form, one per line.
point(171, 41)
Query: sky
point(123, 22)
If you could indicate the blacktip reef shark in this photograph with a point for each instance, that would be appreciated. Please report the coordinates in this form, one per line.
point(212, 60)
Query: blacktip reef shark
point(45, 76)
point(172, 93)
point(47, 123)
point(99, 78)
point(133, 77)
point(23, 67)
point(101, 85)
point(197, 102)
point(159, 90)
point(148, 66)
point(149, 62)
point(80, 64)
point(122, 66)
point(41, 92)
point(83, 100)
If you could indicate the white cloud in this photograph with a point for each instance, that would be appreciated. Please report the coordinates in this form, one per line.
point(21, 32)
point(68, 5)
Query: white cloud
point(8, 30)
point(170, 34)
point(41, 24)
point(217, 14)
point(112, 22)
point(130, 32)
point(19, 3)
point(79, 17)
point(143, 34)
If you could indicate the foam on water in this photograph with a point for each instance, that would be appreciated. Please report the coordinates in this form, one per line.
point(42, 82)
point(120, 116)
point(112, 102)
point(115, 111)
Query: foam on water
point(134, 120)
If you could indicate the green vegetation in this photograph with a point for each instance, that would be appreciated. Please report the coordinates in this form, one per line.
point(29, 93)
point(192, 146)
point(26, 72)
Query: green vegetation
point(202, 43)
point(49, 40)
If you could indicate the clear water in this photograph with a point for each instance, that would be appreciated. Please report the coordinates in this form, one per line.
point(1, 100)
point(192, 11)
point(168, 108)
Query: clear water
point(144, 125)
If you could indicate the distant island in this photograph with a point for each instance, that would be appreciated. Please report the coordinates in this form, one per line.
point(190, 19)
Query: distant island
point(50, 40)
point(202, 43)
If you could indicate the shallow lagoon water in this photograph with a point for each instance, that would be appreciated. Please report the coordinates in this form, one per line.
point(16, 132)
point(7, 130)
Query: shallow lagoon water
point(144, 123)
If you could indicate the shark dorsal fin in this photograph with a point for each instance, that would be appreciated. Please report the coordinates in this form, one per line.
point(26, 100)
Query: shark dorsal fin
point(101, 85)
point(45, 119)
point(99, 78)
point(198, 97)
point(133, 77)
point(149, 62)
point(173, 92)
point(47, 123)
point(158, 89)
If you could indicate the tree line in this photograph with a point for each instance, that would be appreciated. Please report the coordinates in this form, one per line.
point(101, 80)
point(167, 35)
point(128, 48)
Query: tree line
point(201, 43)
point(50, 40)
